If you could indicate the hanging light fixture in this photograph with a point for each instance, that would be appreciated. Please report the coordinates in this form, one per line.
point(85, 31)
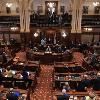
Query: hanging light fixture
point(36, 34)
point(63, 33)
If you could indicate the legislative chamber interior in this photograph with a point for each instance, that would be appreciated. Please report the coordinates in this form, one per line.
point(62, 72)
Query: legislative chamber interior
point(49, 49)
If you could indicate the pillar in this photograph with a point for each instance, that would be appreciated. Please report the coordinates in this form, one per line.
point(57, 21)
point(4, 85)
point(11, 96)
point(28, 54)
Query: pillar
point(24, 10)
point(77, 6)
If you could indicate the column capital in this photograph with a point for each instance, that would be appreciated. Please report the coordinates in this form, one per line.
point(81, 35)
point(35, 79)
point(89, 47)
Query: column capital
point(79, 31)
point(73, 31)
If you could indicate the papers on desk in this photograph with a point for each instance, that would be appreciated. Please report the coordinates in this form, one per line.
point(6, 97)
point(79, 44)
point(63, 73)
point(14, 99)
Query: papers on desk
point(60, 78)
point(73, 97)
point(48, 52)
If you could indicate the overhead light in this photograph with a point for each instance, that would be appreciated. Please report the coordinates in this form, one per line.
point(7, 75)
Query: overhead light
point(14, 28)
point(88, 29)
point(8, 4)
point(63, 33)
point(96, 3)
point(36, 34)
point(51, 5)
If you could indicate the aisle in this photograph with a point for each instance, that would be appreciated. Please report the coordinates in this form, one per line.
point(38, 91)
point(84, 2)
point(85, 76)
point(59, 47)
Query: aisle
point(78, 57)
point(44, 87)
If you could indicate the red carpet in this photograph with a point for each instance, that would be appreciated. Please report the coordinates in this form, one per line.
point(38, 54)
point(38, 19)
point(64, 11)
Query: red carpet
point(44, 87)
point(78, 57)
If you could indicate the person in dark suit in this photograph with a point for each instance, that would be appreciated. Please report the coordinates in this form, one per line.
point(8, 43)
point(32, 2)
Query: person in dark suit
point(86, 83)
point(96, 82)
point(65, 96)
point(11, 96)
point(1, 77)
point(25, 74)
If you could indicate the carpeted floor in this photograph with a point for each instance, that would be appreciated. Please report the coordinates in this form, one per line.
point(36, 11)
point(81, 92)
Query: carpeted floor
point(43, 90)
point(78, 57)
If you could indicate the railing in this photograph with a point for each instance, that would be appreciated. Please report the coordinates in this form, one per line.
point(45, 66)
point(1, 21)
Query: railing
point(47, 21)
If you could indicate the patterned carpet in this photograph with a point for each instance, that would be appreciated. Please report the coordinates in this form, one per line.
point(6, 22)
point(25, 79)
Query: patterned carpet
point(78, 57)
point(44, 87)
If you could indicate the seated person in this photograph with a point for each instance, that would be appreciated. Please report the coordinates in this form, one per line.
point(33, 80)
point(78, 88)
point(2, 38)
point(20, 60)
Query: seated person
point(8, 72)
point(66, 86)
point(84, 84)
point(17, 93)
point(11, 95)
point(96, 82)
point(3, 58)
point(48, 49)
point(65, 96)
point(35, 49)
point(91, 96)
point(1, 76)
point(18, 75)
point(25, 74)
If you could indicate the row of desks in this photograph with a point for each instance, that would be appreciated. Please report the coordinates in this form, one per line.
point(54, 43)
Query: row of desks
point(72, 73)
point(32, 68)
point(77, 95)
point(50, 57)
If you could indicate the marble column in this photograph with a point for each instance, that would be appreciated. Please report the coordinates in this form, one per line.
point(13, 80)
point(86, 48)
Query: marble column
point(79, 15)
point(24, 10)
point(77, 6)
point(73, 23)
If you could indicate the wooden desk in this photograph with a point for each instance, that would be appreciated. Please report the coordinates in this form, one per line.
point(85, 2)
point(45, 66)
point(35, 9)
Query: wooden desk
point(33, 66)
point(75, 94)
point(51, 57)
point(72, 78)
